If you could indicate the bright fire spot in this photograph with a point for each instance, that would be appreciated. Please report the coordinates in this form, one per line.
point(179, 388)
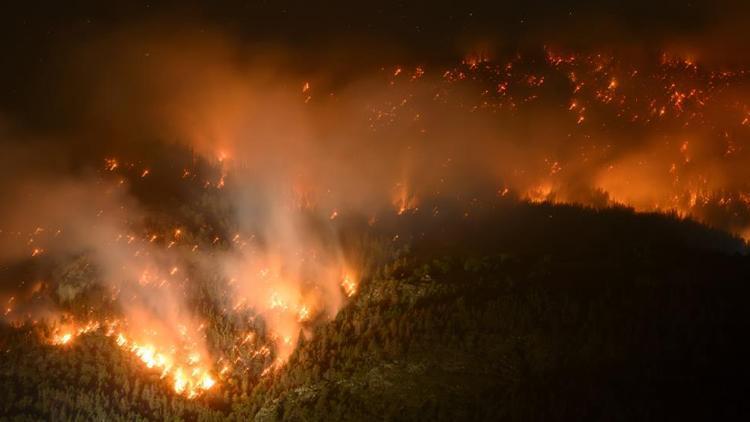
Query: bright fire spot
point(350, 287)
point(190, 379)
point(179, 381)
point(248, 338)
point(68, 334)
point(539, 194)
point(207, 382)
point(303, 314)
point(62, 339)
point(186, 374)
point(277, 301)
point(404, 200)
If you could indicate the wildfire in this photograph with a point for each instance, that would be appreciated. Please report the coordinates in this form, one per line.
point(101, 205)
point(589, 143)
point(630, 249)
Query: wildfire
point(188, 375)
point(671, 175)
point(189, 379)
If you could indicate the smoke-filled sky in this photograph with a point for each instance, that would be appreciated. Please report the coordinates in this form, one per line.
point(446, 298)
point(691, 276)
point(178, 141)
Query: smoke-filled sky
point(159, 144)
point(36, 37)
point(41, 42)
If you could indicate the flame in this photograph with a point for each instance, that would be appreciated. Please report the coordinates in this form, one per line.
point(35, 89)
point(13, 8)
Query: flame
point(404, 200)
point(70, 332)
point(539, 193)
point(349, 285)
point(278, 302)
point(189, 376)
point(303, 314)
point(62, 339)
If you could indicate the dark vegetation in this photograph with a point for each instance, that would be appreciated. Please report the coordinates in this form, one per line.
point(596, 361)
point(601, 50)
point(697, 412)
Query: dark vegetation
point(491, 311)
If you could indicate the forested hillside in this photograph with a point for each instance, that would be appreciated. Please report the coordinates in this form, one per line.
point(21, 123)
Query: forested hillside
point(616, 316)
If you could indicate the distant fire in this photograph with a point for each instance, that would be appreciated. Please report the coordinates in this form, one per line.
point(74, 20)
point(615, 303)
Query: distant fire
point(404, 200)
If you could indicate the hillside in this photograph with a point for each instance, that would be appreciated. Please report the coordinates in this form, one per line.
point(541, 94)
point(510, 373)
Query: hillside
point(509, 312)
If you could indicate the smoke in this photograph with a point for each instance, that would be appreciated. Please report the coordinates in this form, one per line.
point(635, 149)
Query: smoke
point(68, 217)
point(295, 150)
point(290, 271)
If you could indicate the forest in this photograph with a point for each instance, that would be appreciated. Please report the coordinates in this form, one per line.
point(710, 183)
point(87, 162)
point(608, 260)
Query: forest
point(525, 311)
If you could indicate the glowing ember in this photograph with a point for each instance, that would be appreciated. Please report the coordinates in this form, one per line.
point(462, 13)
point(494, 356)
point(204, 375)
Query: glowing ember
point(110, 164)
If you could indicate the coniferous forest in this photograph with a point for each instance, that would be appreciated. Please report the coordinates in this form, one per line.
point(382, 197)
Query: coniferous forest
point(618, 316)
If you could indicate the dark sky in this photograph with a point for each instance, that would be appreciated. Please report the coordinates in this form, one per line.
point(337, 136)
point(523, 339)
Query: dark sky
point(32, 26)
point(35, 35)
